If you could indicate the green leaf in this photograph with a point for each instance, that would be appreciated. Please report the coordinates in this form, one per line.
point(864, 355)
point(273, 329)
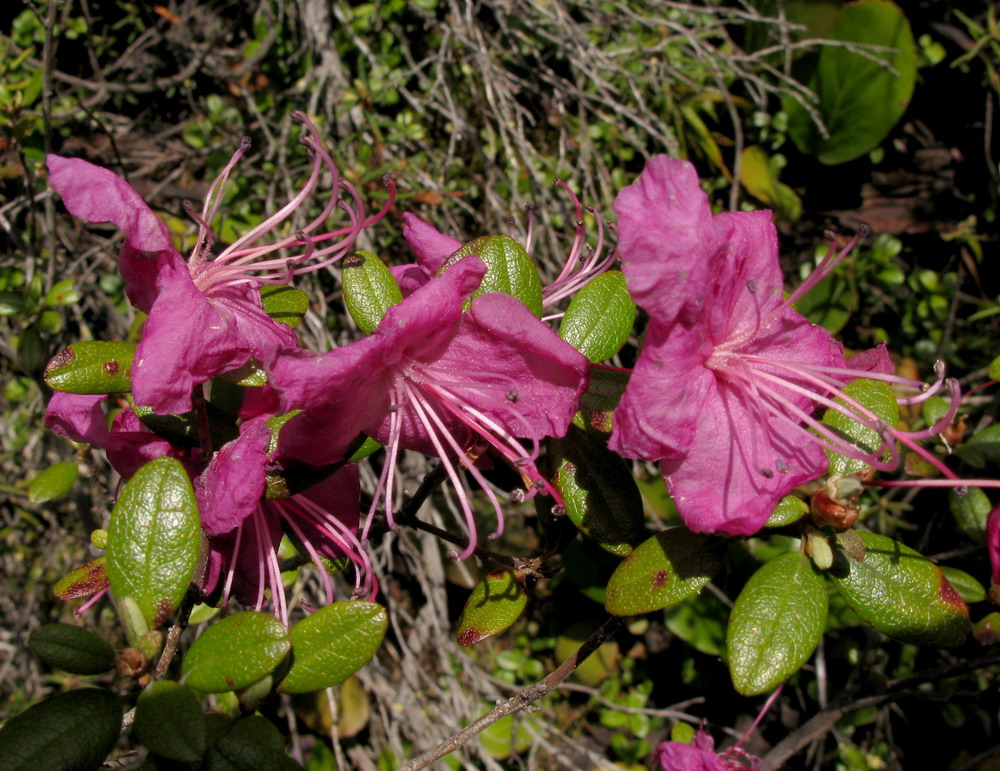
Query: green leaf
point(84, 581)
point(54, 481)
point(757, 176)
point(859, 100)
point(154, 539)
point(776, 623)
point(11, 303)
point(993, 372)
point(72, 730)
point(662, 571)
point(700, 621)
point(970, 512)
point(598, 490)
point(63, 293)
point(169, 721)
point(509, 270)
point(72, 649)
point(901, 593)
point(496, 602)
point(790, 509)
point(598, 402)
point(250, 743)
point(599, 318)
point(982, 448)
point(968, 588)
point(879, 398)
point(236, 652)
point(92, 367)
point(369, 289)
point(830, 303)
point(285, 304)
point(333, 643)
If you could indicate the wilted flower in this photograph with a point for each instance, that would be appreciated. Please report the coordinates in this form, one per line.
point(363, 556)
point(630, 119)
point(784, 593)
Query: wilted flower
point(724, 391)
point(438, 380)
point(205, 313)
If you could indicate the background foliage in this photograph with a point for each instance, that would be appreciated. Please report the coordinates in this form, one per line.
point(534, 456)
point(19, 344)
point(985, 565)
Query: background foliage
point(474, 108)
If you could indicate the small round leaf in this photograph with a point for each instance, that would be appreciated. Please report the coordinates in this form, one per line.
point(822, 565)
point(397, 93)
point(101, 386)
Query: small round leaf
point(496, 602)
point(236, 652)
point(599, 318)
point(54, 481)
point(333, 643)
point(72, 649)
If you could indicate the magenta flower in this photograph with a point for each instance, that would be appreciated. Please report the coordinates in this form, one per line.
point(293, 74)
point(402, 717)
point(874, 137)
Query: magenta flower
point(434, 379)
point(700, 755)
point(205, 313)
point(724, 392)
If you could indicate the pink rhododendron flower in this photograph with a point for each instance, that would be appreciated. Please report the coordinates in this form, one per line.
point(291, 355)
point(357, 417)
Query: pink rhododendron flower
point(724, 392)
point(700, 755)
point(205, 313)
point(438, 380)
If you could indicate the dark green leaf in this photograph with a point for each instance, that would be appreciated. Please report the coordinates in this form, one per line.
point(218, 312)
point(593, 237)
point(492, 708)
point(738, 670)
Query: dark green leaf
point(662, 571)
point(84, 581)
point(333, 643)
point(369, 289)
point(902, 594)
point(967, 587)
point(92, 367)
point(859, 100)
point(496, 602)
point(251, 743)
point(11, 303)
point(54, 481)
point(599, 318)
point(72, 730)
point(154, 539)
point(982, 448)
point(776, 623)
point(970, 512)
point(72, 649)
point(169, 720)
point(598, 402)
point(700, 621)
point(285, 304)
point(509, 269)
point(236, 652)
point(598, 491)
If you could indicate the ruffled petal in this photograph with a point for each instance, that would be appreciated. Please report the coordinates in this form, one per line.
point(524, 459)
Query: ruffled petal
point(232, 486)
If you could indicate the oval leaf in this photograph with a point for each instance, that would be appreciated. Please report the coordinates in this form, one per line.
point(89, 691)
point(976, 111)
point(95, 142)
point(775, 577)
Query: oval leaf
point(92, 367)
point(662, 571)
point(509, 270)
point(598, 491)
point(790, 509)
point(369, 289)
point(285, 304)
point(76, 729)
point(982, 448)
point(970, 512)
point(877, 397)
point(236, 652)
point(72, 649)
point(599, 318)
point(84, 581)
point(333, 643)
point(496, 602)
point(252, 742)
point(154, 538)
point(901, 593)
point(776, 623)
point(169, 720)
point(56, 480)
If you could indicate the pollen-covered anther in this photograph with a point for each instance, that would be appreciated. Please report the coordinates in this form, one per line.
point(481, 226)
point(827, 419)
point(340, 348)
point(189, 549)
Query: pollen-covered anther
point(511, 396)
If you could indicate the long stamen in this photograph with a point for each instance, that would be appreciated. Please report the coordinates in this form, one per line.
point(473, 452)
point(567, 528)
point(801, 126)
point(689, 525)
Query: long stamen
point(828, 263)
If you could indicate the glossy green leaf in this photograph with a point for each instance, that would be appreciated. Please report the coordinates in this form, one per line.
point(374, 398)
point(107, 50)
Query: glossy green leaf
point(901, 593)
point(599, 318)
point(496, 602)
point(333, 643)
point(92, 367)
point(982, 448)
point(72, 649)
point(72, 730)
point(285, 304)
point(251, 743)
point(790, 509)
point(878, 398)
point(968, 588)
point(54, 481)
point(63, 292)
point(598, 490)
point(154, 539)
point(662, 571)
point(509, 269)
point(859, 100)
point(369, 289)
point(236, 652)
point(776, 623)
point(970, 512)
point(169, 721)
point(84, 581)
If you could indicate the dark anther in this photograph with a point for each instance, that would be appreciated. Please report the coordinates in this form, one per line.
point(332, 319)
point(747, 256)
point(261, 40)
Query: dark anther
point(512, 396)
point(864, 231)
point(767, 473)
point(752, 285)
point(245, 144)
